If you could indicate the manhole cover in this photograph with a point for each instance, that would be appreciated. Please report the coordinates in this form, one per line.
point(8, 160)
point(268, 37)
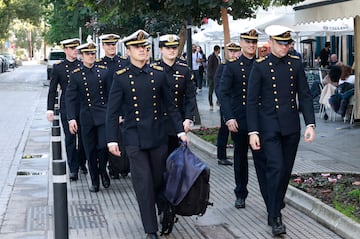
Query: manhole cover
point(216, 232)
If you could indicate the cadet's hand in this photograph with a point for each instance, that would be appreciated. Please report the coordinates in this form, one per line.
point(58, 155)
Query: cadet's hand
point(232, 125)
point(254, 141)
point(73, 127)
point(114, 149)
point(187, 125)
point(309, 134)
point(50, 115)
point(185, 139)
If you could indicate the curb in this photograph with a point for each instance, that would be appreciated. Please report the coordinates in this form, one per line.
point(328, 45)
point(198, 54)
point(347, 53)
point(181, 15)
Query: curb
point(322, 213)
point(311, 206)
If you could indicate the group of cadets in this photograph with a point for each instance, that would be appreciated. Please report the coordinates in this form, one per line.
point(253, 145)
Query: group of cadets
point(126, 105)
point(117, 105)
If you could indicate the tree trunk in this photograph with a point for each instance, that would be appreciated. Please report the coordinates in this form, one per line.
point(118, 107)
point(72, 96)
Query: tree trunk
point(182, 36)
point(225, 22)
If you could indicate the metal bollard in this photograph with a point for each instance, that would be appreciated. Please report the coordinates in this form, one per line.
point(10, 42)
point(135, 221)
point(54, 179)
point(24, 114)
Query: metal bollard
point(61, 221)
point(56, 142)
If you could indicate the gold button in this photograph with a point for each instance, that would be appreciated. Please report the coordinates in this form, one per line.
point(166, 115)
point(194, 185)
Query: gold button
point(131, 76)
point(244, 96)
point(135, 105)
point(176, 99)
point(134, 98)
point(276, 100)
point(273, 77)
point(152, 81)
point(244, 103)
point(137, 119)
point(277, 107)
point(176, 92)
point(133, 89)
point(177, 86)
point(241, 63)
point(275, 92)
point(244, 83)
point(151, 73)
point(89, 105)
point(155, 111)
point(132, 82)
point(155, 118)
point(154, 104)
point(272, 70)
point(274, 85)
point(137, 112)
point(154, 96)
point(270, 64)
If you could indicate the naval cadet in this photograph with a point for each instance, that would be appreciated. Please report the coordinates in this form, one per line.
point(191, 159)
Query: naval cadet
point(277, 82)
point(233, 91)
point(182, 88)
point(88, 83)
point(60, 77)
point(144, 92)
point(233, 51)
point(113, 63)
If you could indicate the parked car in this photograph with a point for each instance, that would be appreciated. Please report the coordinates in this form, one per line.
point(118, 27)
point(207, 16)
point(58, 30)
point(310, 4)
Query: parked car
point(55, 56)
point(5, 64)
point(11, 59)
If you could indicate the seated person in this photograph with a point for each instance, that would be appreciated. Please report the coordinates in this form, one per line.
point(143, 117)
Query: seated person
point(346, 75)
point(332, 77)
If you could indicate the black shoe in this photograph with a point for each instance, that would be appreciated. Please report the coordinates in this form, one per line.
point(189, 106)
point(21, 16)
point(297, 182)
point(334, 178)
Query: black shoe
point(83, 169)
point(105, 180)
point(94, 189)
point(151, 236)
point(326, 116)
point(278, 228)
point(73, 176)
point(224, 162)
point(240, 203)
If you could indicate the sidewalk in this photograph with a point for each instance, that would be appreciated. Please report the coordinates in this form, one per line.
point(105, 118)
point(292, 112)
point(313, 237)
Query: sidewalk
point(113, 212)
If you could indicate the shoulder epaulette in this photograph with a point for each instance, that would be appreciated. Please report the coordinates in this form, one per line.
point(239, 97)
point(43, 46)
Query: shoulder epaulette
point(102, 67)
point(76, 70)
point(98, 60)
point(294, 57)
point(159, 68)
point(232, 59)
point(124, 57)
point(58, 62)
point(122, 71)
point(182, 64)
point(155, 63)
point(260, 59)
point(223, 62)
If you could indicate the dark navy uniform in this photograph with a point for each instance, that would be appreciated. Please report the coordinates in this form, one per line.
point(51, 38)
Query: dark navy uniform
point(183, 93)
point(74, 148)
point(233, 91)
point(89, 85)
point(223, 133)
point(112, 64)
point(145, 96)
point(273, 113)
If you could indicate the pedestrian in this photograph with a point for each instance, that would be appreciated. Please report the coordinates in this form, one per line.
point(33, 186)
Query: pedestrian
point(233, 94)
point(88, 85)
point(144, 91)
point(213, 63)
point(113, 63)
point(60, 75)
point(277, 85)
point(181, 85)
point(197, 59)
point(324, 55)
point(233, 52)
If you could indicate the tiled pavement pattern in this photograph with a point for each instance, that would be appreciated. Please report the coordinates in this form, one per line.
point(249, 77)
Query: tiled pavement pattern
point(26, 204)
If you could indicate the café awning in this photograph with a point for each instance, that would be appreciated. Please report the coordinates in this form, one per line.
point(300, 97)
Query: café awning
point(322, 10)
